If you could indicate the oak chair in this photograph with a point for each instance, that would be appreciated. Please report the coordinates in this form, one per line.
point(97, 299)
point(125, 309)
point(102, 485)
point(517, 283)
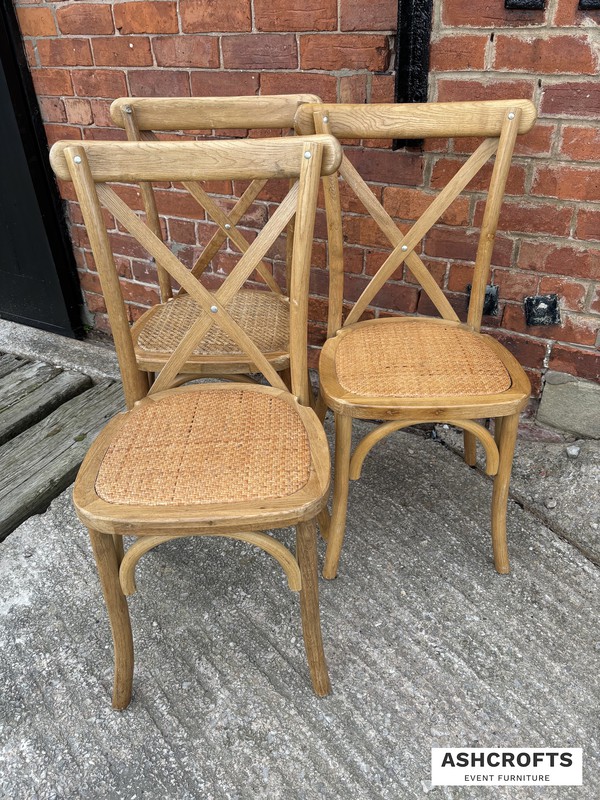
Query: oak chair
point(411, 370)
point(216, 459)
point(264, 315)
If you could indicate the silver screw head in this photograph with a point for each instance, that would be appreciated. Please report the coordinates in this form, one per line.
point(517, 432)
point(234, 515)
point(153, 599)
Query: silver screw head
point(214, 309)
point(325, 119)
point(77, 159)
point(308, 154)
point(227, 226)
point(404, 248)
point(127, 109)
point(511, 115)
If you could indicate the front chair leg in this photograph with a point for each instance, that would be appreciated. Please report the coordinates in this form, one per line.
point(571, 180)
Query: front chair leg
point(118, 613)
point(470, 448)
point(506, 445)
point(306, 552)
point(337, 527)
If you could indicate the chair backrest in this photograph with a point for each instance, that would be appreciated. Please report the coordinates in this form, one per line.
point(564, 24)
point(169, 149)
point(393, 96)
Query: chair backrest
point(499, 122)
point(92, 165)
point(142, 117)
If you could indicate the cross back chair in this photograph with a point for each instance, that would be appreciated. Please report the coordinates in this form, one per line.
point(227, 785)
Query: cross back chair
point(217, 459)
point(264, 315)
point(410, 370)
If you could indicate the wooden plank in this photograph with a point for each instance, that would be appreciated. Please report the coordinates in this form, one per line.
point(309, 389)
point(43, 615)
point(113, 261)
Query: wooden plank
point(31, 392)
point(9, 363)
point(42, 461)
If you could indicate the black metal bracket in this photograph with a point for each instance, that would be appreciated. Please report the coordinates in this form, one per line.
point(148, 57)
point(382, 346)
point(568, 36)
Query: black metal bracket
point(525, 5)
point(542, 309)
point(412, 56)
point(589, 5)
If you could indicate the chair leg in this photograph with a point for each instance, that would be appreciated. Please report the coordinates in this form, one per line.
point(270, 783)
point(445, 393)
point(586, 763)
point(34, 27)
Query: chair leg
point(118, 613)
point(343, 445)
point(320, 407)
point(470, 448)
point(306, 552)
point(497, 430)
point(507, 437)
point(119, 548)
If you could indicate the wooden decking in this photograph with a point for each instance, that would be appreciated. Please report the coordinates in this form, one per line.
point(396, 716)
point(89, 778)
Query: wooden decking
point(48, 417)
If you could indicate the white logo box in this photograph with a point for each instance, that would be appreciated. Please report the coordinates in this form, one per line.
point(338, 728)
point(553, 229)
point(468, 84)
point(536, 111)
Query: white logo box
point(506, 766)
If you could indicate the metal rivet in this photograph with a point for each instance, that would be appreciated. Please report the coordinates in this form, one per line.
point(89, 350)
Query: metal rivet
point(77, 159)
point(227, 226)
point(214, 309)
point(511, 115)
point(307, 154)
point(127, 109)
point(404, 248)
point(325, 119)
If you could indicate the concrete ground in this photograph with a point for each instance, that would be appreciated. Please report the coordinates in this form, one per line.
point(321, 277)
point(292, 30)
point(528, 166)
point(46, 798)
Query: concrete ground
point(427, 646)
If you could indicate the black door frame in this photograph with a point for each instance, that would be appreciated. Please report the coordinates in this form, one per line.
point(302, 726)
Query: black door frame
point(35, 145)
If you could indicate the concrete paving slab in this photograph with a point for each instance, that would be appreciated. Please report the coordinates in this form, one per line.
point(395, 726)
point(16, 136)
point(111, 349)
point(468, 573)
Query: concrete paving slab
point(427, 646)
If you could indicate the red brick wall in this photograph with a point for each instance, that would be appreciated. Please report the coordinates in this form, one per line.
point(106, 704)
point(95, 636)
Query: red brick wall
point(83, 55)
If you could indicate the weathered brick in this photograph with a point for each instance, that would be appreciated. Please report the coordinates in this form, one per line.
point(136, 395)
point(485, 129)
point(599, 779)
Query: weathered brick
point(146, 17)
point(99, 83)
point(324, 86)
point(65, 52)
point(353, 89)
point(159, 83)
point(409, 204)
point(36, 21)
point(574, 328)
point(86, 19)
point(56, 132)
point(105, 134)
point(588, 224)
point(581, 143)
point(224, 84)
point(125, 51)
point(378, 15)
point(554, 54)
point(529, 352)
point(567, 14)
point(209, 16)
point(483, 14)
point(446, 168)
point(576, 361)
point(514, 285)
point(567, 183)
point(344, 51)
point(79, 112)
point(178, 204)
point(571, 294)
point(443, 242)
point(555, 259)
point(452, 53)
point(492, 88)
point(139, 294)
point(296, 15)
point(385, 166)
point(186, 51)
point(577, 99)
point(382, 89)
point(529, 217)
point(259, 51)
point(101, 113)
point(53, 109)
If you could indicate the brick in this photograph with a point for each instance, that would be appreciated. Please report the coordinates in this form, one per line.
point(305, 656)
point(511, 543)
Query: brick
point(575, 361)
point(56, 132)
point(580, 144)
point(94, 302)
point(459, 276)
point(259, 51)
point(146, 17)
point(435, 267)
point(567, 14)
point(493, 88)
point(36, 22)
point(528, 217)
point(186, 51)
point(446, 168)
point(554, 54)
point(296, 15)
point(483, 14)
point(386, 166)
point(452, 53)
point(209, 16)
point(324, 86)
point(126, 245)
point(178, 204)
point(457, 301)
point(182, 231)
point(101, 113)
point(224, 84)
point(90, 282)
point(344, 51)
point(442, 242)
point(53, 109)
point(382, 89)
point(574, 328)
point(409, 204)
point(560, 260)
point(139, 293)
point(577, 99)
point(79, 112)
point(538, 142)
point(567, 183)
point(350, 202)
point(374, 260)
point(65, 52)
point(364, 231)
point(353, 89)
point(588, 224)
point(105, 134)
point(514, 285)
point(126, 51)
point(159, 83)
point(595, 302)
point(87, 19)
point(378, 15)
point(31, 53)
point(571, 294)
point(528, 352)
point(99, 83)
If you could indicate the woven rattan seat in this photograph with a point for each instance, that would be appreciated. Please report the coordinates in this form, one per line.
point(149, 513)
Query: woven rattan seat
point(263, 315)
point(164, 453)
point(418, 358)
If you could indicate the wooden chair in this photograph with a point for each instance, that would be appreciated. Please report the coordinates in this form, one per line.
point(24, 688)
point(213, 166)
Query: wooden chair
point(216, 459)
point(410, 370)
point(264, 315)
